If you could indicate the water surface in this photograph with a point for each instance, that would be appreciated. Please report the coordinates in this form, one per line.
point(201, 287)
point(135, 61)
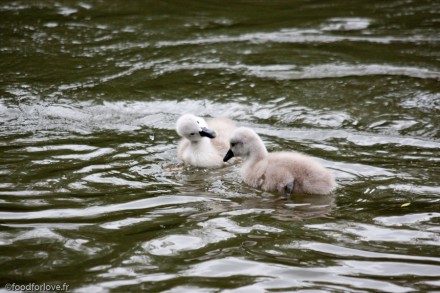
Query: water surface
point(89, 192)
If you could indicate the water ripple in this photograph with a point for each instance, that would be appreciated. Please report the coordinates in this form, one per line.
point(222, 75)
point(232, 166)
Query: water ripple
point(358, 253)
point(275, 276)
point(212, 231)
point(294, 72)
point(374, 233)
point(101, 210)
point(300, 36)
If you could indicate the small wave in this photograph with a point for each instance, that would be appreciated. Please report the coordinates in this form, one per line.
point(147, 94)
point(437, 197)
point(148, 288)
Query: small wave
point(100, 80)
point(125, 222)
point(212, 231)
point(278, 276)
point(346, 24)
point(67, 11)
point(358, 138)
point(346, 70)
point(39, 233)
point(71, 147)
point(367, 232)
point(422, 100)
point(410, 219)
point(113, 180)
point(96, 211)
point(25, 192)
point(414, 189)
point(351, 252)
point(293, 72)
point(311, 35)
point(123, 116)
point(86, 157)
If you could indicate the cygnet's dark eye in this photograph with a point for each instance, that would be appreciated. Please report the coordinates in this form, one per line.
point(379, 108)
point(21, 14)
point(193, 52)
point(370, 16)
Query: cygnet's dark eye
point(233, 144)
point(192, 133)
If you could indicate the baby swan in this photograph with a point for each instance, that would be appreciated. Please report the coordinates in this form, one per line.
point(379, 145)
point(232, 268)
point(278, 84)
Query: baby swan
point(284, 172)
point(203, 144)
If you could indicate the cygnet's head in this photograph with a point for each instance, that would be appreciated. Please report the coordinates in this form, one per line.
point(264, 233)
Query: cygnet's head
point(245, 142)
point(193, 128)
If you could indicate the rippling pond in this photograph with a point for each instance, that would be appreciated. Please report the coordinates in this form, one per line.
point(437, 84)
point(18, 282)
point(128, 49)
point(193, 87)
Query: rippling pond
point(91, 191)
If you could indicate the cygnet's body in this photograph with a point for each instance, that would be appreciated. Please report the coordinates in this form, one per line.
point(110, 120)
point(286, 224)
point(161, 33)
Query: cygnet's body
point(284, 172)
point(203, 144)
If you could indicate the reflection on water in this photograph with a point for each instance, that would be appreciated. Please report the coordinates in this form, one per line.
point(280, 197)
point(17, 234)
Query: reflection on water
point(89, 181)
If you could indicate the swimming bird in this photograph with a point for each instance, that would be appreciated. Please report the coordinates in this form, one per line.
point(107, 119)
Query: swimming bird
point(284, 172)
point(203, 143)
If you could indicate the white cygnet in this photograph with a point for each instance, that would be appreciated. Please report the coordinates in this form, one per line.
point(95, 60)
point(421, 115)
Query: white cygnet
point(203, 144)
point(284, 172)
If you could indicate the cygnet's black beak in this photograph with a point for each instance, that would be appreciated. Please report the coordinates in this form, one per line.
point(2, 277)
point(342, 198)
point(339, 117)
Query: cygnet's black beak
point(228, 155)
point(208, 133)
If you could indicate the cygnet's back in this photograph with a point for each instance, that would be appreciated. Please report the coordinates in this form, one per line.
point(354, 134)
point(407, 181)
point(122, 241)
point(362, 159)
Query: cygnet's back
point(308, 175)
point(203, 144)
point(223, 127)
point(284, 172)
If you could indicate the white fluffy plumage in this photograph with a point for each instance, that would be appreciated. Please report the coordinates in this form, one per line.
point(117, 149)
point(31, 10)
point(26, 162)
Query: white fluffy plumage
point(203, 143)
point(284, 172)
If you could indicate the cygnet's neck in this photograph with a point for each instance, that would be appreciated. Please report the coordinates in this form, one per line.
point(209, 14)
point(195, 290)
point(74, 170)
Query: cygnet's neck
point(204, 142)
point(258, 151)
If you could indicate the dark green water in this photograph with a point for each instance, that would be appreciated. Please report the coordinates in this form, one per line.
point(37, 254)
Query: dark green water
point(89, 95)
